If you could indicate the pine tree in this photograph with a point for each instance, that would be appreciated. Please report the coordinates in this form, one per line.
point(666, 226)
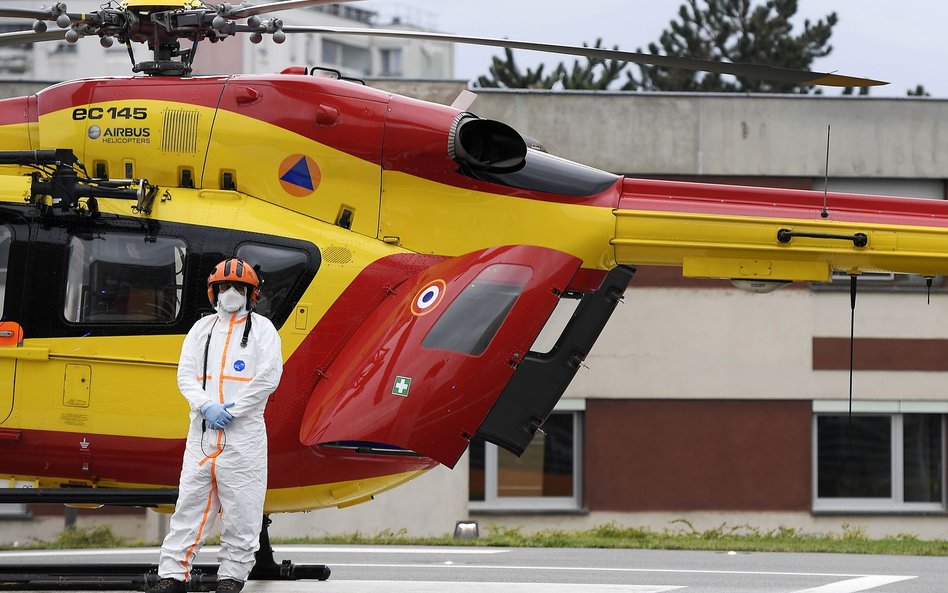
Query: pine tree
point(506, 74)
point(735, 31)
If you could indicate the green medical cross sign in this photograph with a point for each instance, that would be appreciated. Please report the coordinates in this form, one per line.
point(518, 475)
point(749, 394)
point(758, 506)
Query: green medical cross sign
point(401, 386)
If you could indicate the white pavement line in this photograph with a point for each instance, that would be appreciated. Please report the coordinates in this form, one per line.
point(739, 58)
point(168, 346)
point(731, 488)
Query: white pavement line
point(859, 584)
point(621, 569)
point(332, 586)
point(386, 550)
point(90, 552)
point(277, 550)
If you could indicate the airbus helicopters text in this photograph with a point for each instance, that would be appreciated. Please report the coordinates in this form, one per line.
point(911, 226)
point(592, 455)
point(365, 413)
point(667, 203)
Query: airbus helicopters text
point(411, 253)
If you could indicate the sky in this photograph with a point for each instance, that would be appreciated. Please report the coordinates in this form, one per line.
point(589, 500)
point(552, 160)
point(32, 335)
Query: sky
point(900, 42)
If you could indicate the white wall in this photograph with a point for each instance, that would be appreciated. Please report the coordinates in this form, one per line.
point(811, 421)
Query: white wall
point(727, 343)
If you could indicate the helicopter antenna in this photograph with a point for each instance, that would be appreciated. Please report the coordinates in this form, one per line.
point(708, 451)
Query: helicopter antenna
point(852, 343)
point(824, 213)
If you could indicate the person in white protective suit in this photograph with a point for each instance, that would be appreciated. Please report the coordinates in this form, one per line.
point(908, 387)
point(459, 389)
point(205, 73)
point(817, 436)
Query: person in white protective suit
point(230, 364)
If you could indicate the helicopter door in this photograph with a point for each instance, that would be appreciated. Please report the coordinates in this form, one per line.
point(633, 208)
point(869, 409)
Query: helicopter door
point(426, 367)
point(11, 334)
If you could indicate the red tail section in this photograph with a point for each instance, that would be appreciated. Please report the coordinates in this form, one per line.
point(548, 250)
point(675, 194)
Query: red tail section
point(426, 367)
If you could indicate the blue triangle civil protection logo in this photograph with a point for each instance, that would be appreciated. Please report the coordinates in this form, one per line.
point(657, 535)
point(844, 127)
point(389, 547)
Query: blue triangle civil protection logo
point(299, 175)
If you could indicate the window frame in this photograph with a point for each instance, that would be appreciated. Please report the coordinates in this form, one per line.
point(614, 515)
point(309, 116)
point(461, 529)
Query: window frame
point(895, 503)
point(281, 312)
point(14, 510)
point(4, 279)
point(492, 502)
point(180, 286)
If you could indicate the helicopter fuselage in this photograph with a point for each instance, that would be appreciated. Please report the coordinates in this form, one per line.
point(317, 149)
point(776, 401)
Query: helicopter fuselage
point(338, 193)
point(411, 254)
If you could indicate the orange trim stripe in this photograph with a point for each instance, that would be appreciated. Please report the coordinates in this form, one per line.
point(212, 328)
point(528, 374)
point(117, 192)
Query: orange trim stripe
point(241, 379)
point(230, 332)
point(186, 563)
point(220, 449)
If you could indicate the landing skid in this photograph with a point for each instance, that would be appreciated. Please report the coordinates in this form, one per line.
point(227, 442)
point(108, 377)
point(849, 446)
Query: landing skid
point(266, 568)
point(125, 577)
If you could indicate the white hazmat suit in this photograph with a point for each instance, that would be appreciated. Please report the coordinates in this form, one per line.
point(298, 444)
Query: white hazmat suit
point(224, 470)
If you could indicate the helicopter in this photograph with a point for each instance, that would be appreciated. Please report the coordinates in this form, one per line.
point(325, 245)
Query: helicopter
point(411, 252)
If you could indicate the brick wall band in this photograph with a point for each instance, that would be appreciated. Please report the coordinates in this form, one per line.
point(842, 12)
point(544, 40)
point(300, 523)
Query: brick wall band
point(691, 455)
point(881, 354)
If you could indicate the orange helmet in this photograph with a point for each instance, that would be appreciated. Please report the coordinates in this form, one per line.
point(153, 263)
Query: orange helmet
point(234, 270)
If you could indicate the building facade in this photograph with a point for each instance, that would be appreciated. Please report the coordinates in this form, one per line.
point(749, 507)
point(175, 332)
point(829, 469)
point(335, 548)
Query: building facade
point(705, 403)
point(352, 56)
point(702, 404)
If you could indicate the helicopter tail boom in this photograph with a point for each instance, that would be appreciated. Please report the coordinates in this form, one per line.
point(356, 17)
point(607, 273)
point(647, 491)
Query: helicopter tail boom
point(750, 233)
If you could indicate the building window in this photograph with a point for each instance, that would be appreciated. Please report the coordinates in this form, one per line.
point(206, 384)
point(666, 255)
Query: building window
point(118, 278)
point(13, 510)
point(391, 62)
point(332, 52)
point(345, 57)
point(545, 477)
point(879, 462)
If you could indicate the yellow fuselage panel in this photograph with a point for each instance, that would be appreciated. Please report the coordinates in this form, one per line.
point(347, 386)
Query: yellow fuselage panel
point(146, 365)
point(429, 217)
point(275, 164)
point(154, 140)
point(724, 246)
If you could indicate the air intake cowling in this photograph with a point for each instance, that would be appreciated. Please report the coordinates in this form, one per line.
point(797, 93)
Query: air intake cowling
point(486, 145)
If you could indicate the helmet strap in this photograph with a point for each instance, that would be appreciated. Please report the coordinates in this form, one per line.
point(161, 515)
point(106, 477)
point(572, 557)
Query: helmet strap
point(243, 339)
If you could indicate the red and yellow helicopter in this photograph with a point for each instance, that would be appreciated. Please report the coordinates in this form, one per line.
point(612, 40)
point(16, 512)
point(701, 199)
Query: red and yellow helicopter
point(411, 252)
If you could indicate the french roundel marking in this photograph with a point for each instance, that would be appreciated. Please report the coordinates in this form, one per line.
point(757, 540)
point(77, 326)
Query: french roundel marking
point(426, 300)
point(299, 175)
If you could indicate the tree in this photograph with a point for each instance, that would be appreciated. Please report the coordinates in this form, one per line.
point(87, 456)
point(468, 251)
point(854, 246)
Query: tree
point(918, 91)
point(735, 31)
point(506, 74)
point(594, 74)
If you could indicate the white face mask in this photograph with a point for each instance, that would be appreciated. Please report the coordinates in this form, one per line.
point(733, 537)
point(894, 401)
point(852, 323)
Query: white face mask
point(230, 300)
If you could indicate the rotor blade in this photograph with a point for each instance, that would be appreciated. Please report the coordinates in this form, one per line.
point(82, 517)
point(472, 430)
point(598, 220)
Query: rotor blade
point(19, 37)
point(239, 12)
point(748, 70)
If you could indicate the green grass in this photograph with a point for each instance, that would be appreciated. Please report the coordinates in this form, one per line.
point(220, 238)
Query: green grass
point(681, 535)
point(99, 536)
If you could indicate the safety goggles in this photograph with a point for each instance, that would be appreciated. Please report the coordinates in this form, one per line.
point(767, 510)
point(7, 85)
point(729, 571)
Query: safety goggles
point(239, 286)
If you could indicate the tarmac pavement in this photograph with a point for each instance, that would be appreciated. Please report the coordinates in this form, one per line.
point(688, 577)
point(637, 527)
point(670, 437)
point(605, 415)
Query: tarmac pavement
point(422, 569)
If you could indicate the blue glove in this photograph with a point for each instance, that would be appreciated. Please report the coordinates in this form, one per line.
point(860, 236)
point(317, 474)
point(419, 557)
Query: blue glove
point(217, 415)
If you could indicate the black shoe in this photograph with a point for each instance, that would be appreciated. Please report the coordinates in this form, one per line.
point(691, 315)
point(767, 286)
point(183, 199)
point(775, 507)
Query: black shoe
point(229, 586)
point(169, 585)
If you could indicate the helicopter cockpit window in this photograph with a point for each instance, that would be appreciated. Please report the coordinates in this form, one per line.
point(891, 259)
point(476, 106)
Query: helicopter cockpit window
point(280, 269)
point(118, 278)
point(551, 174)
point(472, 320)
point(6, 238)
